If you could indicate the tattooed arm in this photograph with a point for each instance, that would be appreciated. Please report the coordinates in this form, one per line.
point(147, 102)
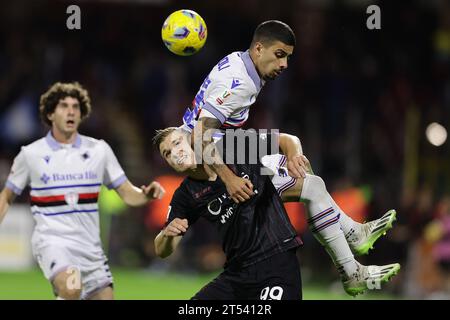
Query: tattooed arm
point(238, 188)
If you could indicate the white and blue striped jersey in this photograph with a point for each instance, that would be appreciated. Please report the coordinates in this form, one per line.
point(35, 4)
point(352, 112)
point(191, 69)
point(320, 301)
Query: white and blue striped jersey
point(65, 182)
point(227, 92)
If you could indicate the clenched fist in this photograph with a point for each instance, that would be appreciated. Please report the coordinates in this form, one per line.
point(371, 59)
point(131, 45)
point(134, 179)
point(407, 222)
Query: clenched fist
point(176, 227)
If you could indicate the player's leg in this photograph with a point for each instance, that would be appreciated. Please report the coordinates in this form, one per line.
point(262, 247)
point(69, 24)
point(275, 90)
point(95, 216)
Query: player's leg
point(360, 236)
point(348, 225)
point(220, 288)
point(67, 284)
point(280, 277)
point(323, 216)
point(60, 269)
point(323, 221)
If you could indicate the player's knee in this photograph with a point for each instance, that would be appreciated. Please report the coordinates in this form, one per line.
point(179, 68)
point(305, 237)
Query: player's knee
point(314, 188)
point(69, 294)
point(67, 284)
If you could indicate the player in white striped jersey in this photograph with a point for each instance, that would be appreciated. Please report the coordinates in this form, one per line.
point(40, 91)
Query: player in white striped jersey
point(224, 101)
point(65, 171)
point(229, 90)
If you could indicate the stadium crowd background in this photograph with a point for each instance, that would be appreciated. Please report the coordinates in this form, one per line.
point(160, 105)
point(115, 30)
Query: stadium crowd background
point(359, 100)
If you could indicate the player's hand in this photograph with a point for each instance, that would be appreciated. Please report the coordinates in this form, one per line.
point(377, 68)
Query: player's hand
point(239, 189)
point(154, 190)
point(176, 227)
point(298, 166)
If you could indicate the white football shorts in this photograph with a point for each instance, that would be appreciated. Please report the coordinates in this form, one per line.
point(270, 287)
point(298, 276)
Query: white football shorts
point(277, 165)
point(62, 256)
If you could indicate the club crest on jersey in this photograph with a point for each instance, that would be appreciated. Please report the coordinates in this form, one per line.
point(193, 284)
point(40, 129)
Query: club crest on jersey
point(282, 172)
point(235, 83)
point(71, 198)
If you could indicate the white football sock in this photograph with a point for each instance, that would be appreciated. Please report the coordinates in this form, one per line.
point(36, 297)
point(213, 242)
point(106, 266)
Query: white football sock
point(324, 222)
point(348, 225)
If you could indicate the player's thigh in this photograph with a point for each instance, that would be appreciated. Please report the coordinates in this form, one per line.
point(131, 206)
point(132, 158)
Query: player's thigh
point(67, 284)
point(221, 288)
point(287, 187)
point(288, 287)
point(283, 281)
point(60, 268)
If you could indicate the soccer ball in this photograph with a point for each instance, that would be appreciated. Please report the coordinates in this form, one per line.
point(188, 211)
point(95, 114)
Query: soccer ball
point(184, 32)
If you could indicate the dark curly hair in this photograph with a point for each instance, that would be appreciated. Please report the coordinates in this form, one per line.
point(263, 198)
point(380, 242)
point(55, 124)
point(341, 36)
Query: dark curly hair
point(50, 99)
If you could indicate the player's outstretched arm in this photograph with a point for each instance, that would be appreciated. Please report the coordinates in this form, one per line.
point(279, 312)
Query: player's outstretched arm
point(238, 188)
point(168, 239)
point(7, 196)
point(135, 197)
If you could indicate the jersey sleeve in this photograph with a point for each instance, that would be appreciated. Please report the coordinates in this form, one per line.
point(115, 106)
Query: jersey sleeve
point(19, 176)
point(224, 100)
point(114, 176)
point(182, 206)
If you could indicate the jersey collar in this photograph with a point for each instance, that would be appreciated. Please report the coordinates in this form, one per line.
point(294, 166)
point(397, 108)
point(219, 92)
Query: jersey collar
point(251, 70)
point(55, 145)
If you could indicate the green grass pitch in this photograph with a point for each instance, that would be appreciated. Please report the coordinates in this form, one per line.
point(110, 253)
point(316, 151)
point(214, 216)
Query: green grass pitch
point(145, 285)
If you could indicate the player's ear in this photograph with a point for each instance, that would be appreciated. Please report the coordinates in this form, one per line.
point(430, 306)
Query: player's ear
point(50, 116)
point(258, 48)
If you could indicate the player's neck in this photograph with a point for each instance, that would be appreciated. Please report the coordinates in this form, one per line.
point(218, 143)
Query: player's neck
point(253, 58)
point(64, 137)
